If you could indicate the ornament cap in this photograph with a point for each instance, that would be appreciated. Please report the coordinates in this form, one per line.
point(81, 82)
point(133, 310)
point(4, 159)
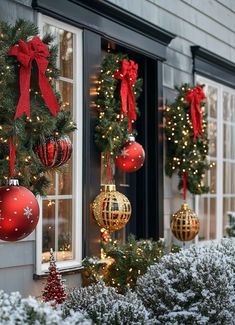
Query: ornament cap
point(13, 182)
point(131, 138)
point(108, 187)
point(184, 206)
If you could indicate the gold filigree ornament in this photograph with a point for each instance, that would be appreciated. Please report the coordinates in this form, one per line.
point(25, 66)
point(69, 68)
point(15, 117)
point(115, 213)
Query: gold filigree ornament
point(111, 209)
point(185, 224)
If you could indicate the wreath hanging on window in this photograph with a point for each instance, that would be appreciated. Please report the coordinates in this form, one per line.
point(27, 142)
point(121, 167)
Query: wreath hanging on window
point(118, 89)
point(187, 140)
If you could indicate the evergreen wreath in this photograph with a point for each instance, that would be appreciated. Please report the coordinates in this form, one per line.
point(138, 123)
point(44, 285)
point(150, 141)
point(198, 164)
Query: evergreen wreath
point(111, 130)
point(41, 124)
point(185, 154)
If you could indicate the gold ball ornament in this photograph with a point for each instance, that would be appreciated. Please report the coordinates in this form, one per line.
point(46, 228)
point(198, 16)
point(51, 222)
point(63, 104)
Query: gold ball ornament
point(185, 224)
point(111, 209)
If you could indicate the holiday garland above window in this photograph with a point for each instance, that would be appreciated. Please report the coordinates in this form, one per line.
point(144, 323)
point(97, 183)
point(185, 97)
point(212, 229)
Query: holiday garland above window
point(186, 139)
point(30, 113)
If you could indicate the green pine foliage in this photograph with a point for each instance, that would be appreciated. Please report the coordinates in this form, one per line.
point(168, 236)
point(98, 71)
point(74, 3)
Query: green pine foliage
point(111, 128)
point(183, 153)
point(26, 131)
point(129, 261)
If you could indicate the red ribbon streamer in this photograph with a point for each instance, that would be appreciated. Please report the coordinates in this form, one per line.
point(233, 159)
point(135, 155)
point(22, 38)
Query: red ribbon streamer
point(185, 174)
point(25, 54)
point(128, 75)
point(194, 98)
point(12, 155)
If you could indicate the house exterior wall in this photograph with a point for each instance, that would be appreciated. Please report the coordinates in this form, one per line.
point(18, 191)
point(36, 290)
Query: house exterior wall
point(17, 259)
point(209, 24)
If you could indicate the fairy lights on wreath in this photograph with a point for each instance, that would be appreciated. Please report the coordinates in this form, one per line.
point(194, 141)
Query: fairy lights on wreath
point(187, 146)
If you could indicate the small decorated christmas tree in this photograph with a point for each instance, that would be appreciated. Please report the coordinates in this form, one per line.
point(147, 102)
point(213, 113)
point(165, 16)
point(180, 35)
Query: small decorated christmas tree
point(54, 289)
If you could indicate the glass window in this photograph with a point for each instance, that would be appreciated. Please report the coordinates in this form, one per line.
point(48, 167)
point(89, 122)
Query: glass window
point(61, 213)
point(213, 208)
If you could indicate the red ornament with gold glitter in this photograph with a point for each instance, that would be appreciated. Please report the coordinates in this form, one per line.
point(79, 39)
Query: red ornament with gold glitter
point(19, 212)
point(131, 158)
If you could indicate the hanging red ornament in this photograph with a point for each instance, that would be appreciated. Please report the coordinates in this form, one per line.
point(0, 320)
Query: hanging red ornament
point(19, 212)
point(131, 158)
point(55, 152)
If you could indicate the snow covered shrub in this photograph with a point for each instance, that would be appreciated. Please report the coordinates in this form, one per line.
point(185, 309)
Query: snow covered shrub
point(26, 311)
point(15, 310)
point(194, 286)
point(105, 306)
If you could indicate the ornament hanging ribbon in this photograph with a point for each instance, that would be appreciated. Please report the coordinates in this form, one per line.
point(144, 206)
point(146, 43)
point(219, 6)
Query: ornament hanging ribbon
point(25, 54)
point(128, 75)
point(12, 155)
point(185, 174)
point(194, 97)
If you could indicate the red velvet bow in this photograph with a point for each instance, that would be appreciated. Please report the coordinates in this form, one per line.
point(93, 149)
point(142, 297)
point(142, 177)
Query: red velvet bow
point(195, 96)
point(25, 54)
point(128, 74)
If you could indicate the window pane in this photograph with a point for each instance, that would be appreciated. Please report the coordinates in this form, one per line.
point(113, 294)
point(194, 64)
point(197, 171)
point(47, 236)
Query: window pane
point(212, 133)
point(213, 178)
point(65, 231)
point(66, 91)
point(212, 218)
point(203, 216)
point(226, 107)
point(66, 54)
point(232, 105)
point(227, 177)
point(52, 177)
point(232, 141)
point(212, 98)
point(232, 178)
point(48, 228)
point(64, 40)
point(226, 210)
point(227, 140)
point(65, 179)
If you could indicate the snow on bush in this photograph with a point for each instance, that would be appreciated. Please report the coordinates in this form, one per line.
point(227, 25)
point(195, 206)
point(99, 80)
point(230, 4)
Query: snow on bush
point(15, 310)
point(194, 286)
point(105, 306)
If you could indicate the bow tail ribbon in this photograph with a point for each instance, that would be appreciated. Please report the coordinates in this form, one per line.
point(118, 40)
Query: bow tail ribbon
point(23, 105)
point(132, 108)
point(124, 93)
point(196, 117)
point(48, 94)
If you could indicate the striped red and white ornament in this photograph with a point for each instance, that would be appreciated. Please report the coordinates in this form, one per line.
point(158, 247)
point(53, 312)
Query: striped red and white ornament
point(55, 152)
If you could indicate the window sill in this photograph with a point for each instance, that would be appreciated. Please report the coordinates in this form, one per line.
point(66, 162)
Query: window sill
point(72, 270)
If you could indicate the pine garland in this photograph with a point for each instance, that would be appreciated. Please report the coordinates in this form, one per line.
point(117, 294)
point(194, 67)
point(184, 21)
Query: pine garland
point(111, 128)
point(184, 154)
point(41, 124)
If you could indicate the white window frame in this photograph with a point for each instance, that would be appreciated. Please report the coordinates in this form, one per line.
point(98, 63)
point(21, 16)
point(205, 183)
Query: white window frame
point(219, 158)
point(76, 155)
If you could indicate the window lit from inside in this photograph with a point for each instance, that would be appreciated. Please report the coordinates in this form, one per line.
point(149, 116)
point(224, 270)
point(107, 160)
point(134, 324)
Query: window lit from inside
point(61, 223)
point(213, 208)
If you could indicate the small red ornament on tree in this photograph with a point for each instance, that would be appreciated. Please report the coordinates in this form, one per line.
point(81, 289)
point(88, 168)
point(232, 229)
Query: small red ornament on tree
point(54, 289)
point(19, 212)
point(55, 152)
point(131, 158)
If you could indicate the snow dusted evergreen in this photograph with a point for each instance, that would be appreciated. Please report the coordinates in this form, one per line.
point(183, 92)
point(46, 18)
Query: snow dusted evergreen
point(15, 310)
point(194, 286)
point(105, 306)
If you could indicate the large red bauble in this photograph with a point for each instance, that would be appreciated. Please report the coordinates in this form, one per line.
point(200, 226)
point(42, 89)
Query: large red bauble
point(54, 152)
point(131, 158)
point(19, 212)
